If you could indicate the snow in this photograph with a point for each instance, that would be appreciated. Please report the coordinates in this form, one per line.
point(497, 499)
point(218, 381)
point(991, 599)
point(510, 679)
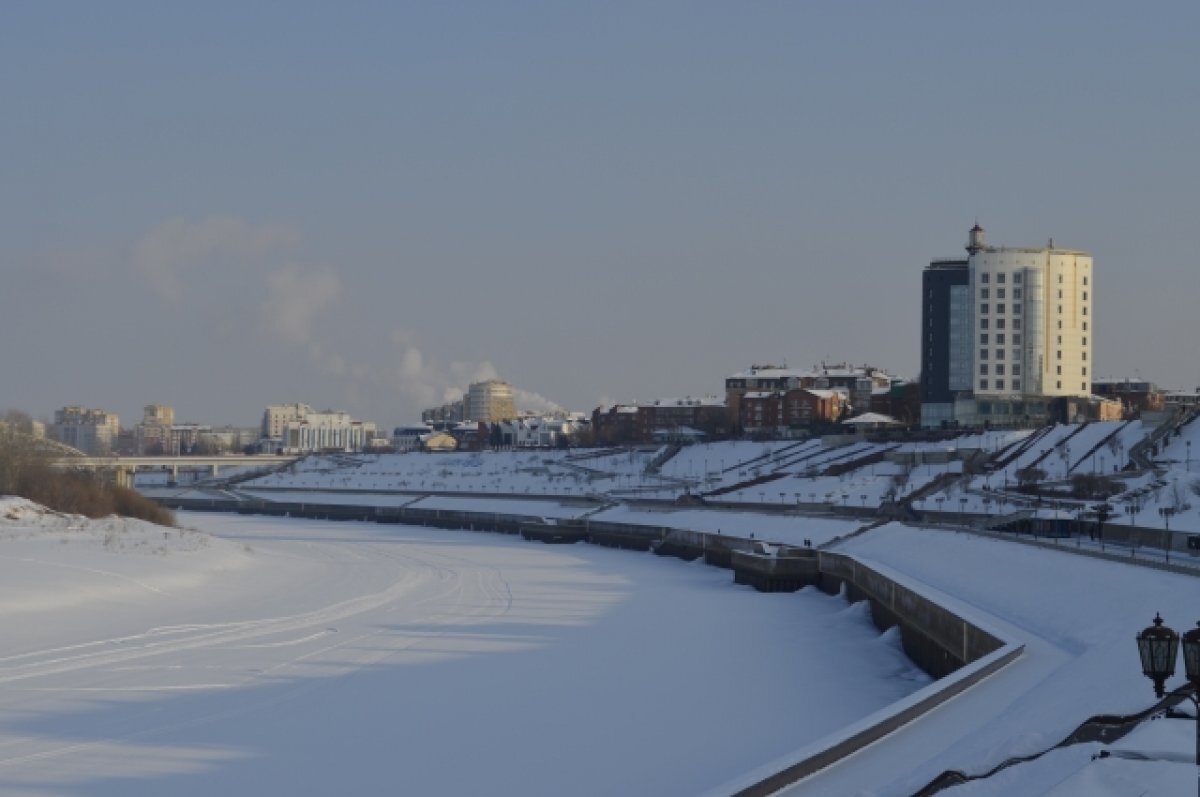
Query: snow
point(783, 529)
point(1076, 616)
point(301, 657)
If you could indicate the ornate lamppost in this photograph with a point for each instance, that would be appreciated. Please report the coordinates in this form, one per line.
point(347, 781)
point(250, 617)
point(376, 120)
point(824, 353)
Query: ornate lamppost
point(1158, 648)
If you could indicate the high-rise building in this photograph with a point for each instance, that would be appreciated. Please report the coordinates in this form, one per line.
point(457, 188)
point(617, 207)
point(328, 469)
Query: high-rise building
point(945, 339)
point(91, 431)
point(490, 401)
point(1030, 320)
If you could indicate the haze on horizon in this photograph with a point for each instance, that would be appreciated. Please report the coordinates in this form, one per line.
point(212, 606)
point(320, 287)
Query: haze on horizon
point(219, 206)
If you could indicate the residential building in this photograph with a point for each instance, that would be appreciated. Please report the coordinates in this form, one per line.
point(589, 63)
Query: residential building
point(92, 431)
point(857, 381)
point(783, 412)
point(152, 435)
point(444, 416)
point(326, 431)
point(1136, 395)
point(277, 416)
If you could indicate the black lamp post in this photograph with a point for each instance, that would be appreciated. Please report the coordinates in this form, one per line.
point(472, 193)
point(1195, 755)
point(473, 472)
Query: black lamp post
point(1158, 648)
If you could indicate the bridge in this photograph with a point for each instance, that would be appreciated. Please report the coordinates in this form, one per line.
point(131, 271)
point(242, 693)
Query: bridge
point(123, 468)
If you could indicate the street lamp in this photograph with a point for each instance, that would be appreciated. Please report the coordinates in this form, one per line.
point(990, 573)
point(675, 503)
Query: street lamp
point(1158, 648)
point(1189, 455)
point(1165, 513)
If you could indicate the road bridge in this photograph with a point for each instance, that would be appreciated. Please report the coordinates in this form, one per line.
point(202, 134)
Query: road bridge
point(124, 468)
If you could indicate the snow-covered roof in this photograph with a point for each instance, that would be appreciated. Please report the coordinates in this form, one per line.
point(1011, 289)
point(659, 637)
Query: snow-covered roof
point(871, 417)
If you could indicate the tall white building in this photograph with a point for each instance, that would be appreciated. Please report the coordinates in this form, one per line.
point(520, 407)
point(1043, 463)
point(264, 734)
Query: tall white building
point(1033, 320)
point(326, 431)
point(1031, 315)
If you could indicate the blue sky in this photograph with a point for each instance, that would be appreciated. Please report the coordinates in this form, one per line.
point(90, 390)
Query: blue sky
point(219, 205)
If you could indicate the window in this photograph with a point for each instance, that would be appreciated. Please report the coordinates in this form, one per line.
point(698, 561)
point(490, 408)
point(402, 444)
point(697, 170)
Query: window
point(999, 308)
point(1016, 293)
point(984, 293)
point(983, 354)
point(1085, 296)
point(1060, 309)
point(984, 277)
point(1000, 291)
point(1016, 335)
point(983, 309)
point(1085, 326)
point(999, 323)
point(983, 323)
point(1016, 384)
point(983, 369)
point(1016, 279)
point(1016, 369)
point(999, 339)
point(1084, 356)
point(1060, 279)
point(1085, 279)
point(1060, 296)
point(1058, 370)
point(1016, 309)
point(983, 384)
point(1083, 386)
point(1060, 323)
point(1060, 340)
point(1085, 340)
point(1000, 370)
point(999, 354)
point(1058, 354)
point(1017, 324)
point(1085, 309)
point(983, 339)
point(1058, 384)
point(1085, 370)
point(999, 384)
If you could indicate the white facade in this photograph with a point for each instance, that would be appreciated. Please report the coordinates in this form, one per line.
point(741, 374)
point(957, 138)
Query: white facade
point(326, 431)
point(1033, 316)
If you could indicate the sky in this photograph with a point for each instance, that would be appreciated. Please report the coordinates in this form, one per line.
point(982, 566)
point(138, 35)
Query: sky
point(367, 206)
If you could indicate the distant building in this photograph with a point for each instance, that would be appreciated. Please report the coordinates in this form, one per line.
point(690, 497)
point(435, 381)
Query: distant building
point(410, 438)
point(277, 416)
point(490, 401)
point(152, 435)
point(780, 412)
point(326, 431)
point(444, 416)
point(1136, 395)
point(676, 418)
point(858, 382)
point(92, 431)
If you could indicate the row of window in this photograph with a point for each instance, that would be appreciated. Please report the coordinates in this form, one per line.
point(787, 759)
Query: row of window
point(983, 384)
point(985, 293)
point(998, 369)
point(985, 277)
point(983, 354)
point(1016, 338)
point(1000, 309)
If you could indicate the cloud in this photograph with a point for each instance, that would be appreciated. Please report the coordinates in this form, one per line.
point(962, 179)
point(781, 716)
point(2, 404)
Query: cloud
point(294, 300)
point(164, 255)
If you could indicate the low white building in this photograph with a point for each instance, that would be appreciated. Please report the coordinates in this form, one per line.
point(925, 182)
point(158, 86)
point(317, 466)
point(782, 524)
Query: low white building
point(326, 431)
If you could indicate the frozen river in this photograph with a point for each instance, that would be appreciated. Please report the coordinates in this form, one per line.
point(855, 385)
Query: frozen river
point(312, 658)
